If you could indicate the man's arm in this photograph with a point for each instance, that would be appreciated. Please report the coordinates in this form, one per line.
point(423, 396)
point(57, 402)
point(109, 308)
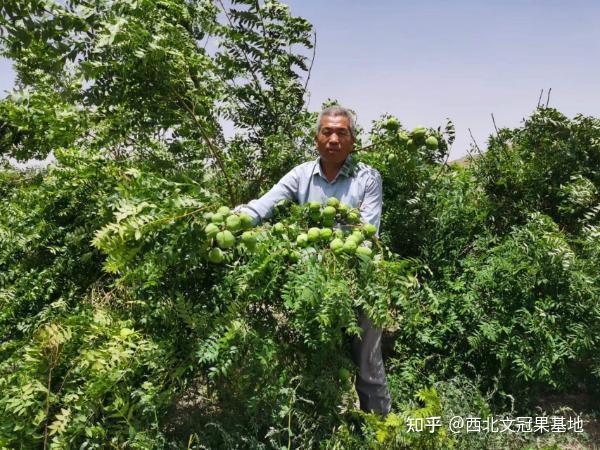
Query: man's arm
point(285, 189)
point(370, 208)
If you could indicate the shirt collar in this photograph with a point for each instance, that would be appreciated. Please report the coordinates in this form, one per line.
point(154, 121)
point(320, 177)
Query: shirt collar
point(348, 169)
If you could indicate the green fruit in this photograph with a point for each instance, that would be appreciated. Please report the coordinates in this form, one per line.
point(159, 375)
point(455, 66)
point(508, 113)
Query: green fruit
point(353, 217)
point(246, 221)
point(325, 233)
point(233, 223)
point(411, 146)
point(357, 236)
point(208, 215)
point(350, 246)
point(353, 239)
point(392, 158)
point(418, 133)
point(249, 237)
point(431, 143)
point(215, 255)
point(329, 211)
point(392, 124)
point(369, 230)
point(332, 201)
point(217, 218)
point(365, 251)
point(294, 256)
point(302, 240)
point(224, 210)
point(313, 234)
point(343, 209)
point(403, 137)
point(344, 374)
point(211, 230)
point(337, 246)
point(314, 206)
point(278, 228)
point(339, 233)
point(225, 239)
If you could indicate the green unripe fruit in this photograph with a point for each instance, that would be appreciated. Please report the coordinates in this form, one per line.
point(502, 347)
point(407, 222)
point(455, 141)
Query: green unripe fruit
point(217, 218)
point(339, 233)
point(313, 234)
point(294, 256)
point(365, 251)
point(329, 211)
point(337, 246)
point(403, 137)
point(392, 158)
point(353, 239)
point(357, 236)
point(343, 209)
point(225, 239)
point(369, 230)
point(314, 206)
point(233, 223)
point(350, 246)
point(249, 237)
point(344, 374)
point(278, 228)
point(325, 233)
point(246, 221)
point(215, 255)
point(211, 230)
point(411, 146)
point(208, 216)
point(332, 201)
point(392, 124)
point(431, 143)
point(224, 210)
point(302, 240)
point(353, 217)
point(418, 133)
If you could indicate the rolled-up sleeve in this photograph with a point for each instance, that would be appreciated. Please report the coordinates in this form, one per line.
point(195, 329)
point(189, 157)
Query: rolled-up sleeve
point(370, 208)
point(262, 207)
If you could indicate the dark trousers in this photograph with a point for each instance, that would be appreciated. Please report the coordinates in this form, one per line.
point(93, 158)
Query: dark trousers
point(370, 383)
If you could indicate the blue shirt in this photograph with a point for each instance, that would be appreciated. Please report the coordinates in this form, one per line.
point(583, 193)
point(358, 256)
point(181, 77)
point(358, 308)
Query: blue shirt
point(356, 184)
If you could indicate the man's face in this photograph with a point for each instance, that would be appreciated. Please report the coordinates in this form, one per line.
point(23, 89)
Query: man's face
point(334, 140)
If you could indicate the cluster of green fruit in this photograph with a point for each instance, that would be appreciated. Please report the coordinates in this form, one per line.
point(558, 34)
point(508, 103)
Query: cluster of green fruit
point(417, 138)
point(222, 229)
point(225, 229)
point(338, 240)
point(414, 140)
point(332, 212)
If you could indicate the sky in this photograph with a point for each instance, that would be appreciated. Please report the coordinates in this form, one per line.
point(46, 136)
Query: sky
point(425, 61)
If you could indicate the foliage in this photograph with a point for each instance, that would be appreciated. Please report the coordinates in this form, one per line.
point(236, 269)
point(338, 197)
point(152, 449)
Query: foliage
point(156, 80)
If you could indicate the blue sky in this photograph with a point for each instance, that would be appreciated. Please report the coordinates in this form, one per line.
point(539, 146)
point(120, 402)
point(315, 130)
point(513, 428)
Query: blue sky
point(424, 61)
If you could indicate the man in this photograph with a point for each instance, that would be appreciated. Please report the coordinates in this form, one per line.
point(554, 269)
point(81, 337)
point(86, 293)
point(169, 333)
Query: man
point(334, 174)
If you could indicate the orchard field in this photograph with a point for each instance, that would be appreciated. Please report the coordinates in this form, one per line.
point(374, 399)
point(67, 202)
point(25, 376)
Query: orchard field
point(130, 317)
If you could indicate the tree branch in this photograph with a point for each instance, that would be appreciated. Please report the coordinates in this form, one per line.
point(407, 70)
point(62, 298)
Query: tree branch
point(216, 152)
point(312, 60)
point(495, 127)
point(475, 142)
